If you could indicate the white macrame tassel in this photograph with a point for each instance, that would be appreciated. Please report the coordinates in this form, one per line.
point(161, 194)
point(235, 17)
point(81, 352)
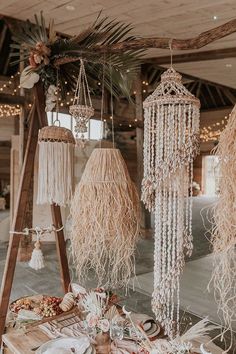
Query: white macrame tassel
point(37, 258)
point(55, 177)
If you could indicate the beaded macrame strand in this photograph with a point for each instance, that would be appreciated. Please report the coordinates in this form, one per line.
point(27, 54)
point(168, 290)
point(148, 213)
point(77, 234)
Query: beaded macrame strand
point(171, 127)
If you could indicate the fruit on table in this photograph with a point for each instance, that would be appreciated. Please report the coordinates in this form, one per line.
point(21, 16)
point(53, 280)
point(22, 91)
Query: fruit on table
point(49, 306)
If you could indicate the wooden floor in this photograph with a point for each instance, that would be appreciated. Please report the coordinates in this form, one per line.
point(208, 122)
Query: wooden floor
point(194, 296)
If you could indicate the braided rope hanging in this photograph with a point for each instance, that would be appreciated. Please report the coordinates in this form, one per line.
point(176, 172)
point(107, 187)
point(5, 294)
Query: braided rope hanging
point(171, 127)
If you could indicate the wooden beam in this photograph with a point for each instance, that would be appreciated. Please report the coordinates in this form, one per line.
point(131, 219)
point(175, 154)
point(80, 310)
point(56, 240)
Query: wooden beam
point(10, 99)
point(230, 96)
point(215, 54)
point(220, 95)
point(211, 95)
point(3, 35)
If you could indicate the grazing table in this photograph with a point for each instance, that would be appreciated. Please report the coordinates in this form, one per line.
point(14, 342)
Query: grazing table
point(27, 341)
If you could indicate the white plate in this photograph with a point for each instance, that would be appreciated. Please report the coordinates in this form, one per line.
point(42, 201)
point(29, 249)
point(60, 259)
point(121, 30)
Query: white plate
point(80, 344)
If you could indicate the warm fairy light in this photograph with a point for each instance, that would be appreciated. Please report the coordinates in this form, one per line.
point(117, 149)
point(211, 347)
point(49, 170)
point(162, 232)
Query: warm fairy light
point(9, 111)
point(136, 120)
point(211, 133)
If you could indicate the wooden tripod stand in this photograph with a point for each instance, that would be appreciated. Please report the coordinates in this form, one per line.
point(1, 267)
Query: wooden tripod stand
point(38, 120)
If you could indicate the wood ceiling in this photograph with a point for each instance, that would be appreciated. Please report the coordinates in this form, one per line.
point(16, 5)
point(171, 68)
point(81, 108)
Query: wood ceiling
point(167, 18)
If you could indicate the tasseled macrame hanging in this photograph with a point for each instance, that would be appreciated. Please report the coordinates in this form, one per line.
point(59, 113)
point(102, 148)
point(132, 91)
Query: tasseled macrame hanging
point(56, 165)
point(105, 220)
point(171, 127)
point(37, 259)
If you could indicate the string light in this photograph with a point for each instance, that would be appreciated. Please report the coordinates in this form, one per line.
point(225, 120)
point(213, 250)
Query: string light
point(9, 110)
point(211, 133)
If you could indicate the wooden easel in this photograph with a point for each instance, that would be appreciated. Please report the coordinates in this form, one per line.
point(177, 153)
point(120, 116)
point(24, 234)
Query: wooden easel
point(38, 120)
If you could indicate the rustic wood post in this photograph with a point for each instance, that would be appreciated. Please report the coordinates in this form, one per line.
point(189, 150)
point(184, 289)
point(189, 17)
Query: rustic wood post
point(25, 247)
point(38, 120)
point(18, 221)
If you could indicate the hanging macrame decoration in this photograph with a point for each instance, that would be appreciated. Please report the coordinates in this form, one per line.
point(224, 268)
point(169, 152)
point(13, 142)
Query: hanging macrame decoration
point(56, 165)
point(171, 127)
point(105, 220)
point(82, 109)
point(37, 259)
point(224, 232)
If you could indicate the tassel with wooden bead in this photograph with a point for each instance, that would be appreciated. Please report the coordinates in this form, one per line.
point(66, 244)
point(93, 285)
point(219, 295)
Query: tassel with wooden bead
point(37, 258)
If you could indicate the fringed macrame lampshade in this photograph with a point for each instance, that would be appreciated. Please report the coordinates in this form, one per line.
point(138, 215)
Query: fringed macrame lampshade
point(56, 165)
point(224, 232)
point(105, 220)
point(171, 127)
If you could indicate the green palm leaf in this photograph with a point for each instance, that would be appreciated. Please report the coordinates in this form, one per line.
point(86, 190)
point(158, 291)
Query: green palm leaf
point(92, 44)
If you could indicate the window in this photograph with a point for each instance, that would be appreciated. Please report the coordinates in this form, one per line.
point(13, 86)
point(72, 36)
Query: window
point(95, 127)
point(210, 175)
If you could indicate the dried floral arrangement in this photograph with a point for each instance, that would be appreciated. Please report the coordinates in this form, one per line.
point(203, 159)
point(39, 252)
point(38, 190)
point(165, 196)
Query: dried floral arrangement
point(47, 54)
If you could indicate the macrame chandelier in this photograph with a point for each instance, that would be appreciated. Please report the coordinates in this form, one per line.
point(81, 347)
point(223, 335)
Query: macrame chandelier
point(171, 127)
point(56, 165)
point(105, 220)
point(82, 109)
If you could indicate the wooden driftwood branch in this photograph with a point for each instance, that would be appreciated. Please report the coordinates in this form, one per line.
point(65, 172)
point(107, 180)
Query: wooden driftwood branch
point(164, 43)
point(178, 44)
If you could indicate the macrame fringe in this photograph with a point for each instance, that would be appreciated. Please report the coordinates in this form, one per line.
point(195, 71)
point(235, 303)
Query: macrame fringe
point(224, 230)
point(55, 177)
point(37, 259)
point(105, 220)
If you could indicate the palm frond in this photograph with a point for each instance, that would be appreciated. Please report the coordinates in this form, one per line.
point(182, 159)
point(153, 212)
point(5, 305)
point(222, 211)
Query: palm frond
point(92, 44)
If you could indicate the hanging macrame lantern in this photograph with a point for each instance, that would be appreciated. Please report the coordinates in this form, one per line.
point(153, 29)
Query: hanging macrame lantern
point(105, 220)
point(82, 109)
point(171, 127)
point(56, 165)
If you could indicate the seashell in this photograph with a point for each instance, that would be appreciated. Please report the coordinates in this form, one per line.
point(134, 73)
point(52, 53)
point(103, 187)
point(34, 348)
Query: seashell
point(67, 302)
point(78, 290)
point(203, 350)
